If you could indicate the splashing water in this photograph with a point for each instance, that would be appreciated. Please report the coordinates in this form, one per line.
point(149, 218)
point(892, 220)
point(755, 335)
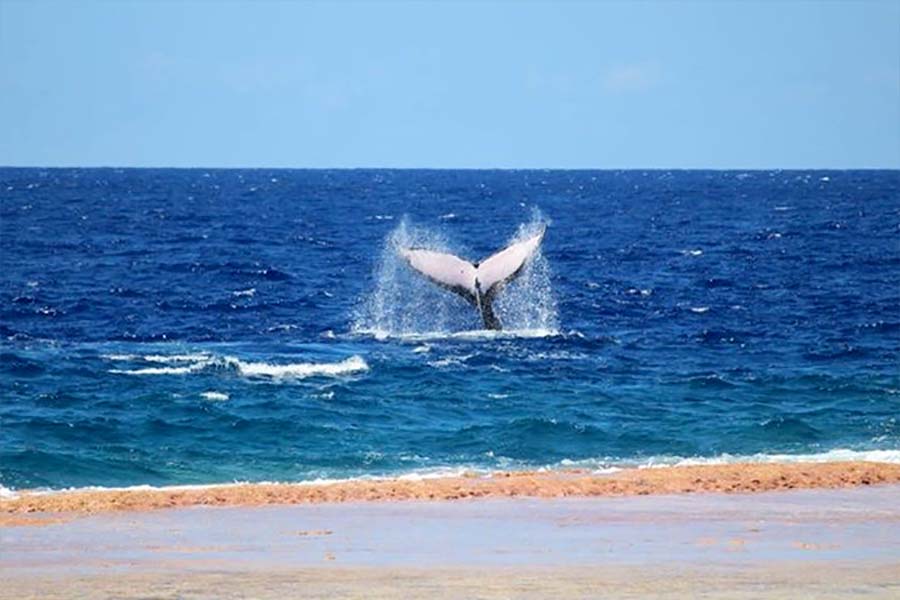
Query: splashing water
point(404, 304)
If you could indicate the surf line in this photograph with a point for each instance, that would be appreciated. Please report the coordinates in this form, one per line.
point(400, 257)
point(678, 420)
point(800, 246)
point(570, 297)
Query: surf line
point(479, 282)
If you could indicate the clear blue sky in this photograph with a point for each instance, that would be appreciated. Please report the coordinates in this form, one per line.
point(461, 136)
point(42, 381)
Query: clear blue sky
point(581, 85)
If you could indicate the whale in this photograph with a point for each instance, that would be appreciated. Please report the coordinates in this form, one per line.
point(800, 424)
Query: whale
point(478, 283)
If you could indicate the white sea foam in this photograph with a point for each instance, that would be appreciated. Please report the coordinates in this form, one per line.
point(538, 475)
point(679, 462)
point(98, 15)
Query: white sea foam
point(415, 475)
point(611, 465)
point(450, 361)
point(176, 358)
point(214, 396)
point(438, 472)
point(120, 357)
point(157, 358)
point(162, 370)
point(836, 455)
point(353, 364)
point(191, 363)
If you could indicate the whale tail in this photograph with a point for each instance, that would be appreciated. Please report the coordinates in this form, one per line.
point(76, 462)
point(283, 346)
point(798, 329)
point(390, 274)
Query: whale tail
point(479, 283)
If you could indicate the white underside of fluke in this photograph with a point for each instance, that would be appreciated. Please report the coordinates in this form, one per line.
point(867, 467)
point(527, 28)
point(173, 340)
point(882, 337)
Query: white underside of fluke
point(467, 279)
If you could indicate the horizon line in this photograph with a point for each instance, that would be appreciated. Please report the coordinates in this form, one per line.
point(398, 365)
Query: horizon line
point(384, 168)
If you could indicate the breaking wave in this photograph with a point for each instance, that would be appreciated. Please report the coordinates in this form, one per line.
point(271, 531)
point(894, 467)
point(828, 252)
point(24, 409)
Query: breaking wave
point(192, 363)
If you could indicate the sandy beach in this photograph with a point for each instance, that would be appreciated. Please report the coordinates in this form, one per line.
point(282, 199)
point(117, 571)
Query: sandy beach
point(822, 543)
point(829, 530)
point(731, 478)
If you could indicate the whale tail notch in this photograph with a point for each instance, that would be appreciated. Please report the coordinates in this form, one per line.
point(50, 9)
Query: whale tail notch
point(478, 283)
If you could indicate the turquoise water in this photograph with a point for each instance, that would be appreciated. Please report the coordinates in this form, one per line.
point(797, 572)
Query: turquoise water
point(190, 326)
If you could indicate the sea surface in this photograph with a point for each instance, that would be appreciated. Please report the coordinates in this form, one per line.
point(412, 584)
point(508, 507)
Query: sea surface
point(167, 327)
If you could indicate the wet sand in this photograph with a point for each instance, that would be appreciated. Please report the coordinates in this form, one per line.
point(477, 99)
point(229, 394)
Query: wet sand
point(733, 478)
point(821, 543)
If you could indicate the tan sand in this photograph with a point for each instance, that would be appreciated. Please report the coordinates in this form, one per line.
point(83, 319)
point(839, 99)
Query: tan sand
point(787, 582)
point(733, 478)
point(813, 543)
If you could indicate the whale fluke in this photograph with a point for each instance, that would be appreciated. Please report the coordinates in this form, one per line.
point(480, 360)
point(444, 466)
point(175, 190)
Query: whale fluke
point(478, 283)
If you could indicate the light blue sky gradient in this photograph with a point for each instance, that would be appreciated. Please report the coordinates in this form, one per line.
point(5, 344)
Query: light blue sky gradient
point(451, 85)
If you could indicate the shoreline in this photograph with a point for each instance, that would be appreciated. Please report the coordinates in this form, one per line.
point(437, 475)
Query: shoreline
point(32, 507)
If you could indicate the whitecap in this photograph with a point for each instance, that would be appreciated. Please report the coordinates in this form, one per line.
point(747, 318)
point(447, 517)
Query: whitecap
point(198, 362)
point(450, 361)
point(244, 293)
point(120, 357)
point(176, 358)
point(699, 309)
point(161, 370)
point(353, 364)
point(644, 292)
point(214, 396)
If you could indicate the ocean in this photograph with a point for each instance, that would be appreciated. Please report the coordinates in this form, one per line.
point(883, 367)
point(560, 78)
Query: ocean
point(168, 327)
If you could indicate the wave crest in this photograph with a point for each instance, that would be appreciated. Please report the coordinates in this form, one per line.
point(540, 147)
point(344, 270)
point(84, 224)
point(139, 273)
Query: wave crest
point(192, 363)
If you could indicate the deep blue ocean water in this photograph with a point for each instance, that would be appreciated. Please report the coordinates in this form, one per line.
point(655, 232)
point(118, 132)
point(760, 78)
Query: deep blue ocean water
point(198, 326)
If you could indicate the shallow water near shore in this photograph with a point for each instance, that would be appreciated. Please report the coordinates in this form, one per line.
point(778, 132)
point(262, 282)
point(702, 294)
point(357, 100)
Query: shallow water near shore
point(173, 327)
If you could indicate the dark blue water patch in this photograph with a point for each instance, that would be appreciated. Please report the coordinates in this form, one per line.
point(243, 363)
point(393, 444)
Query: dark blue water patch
point(698, 313)
point(16, 366)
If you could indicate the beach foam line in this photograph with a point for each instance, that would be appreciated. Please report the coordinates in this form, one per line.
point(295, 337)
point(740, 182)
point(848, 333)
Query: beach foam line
point(6, 493)
point(724, 478)
point(836, 455)
point(607, 465)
